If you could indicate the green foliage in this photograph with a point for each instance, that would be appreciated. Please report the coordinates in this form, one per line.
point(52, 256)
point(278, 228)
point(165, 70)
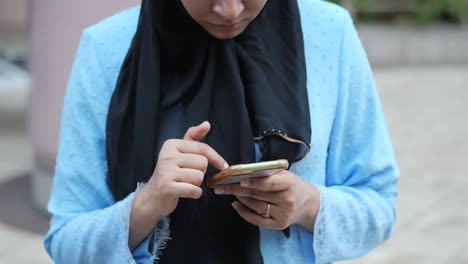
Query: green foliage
point(433, 10)
point(422, 11)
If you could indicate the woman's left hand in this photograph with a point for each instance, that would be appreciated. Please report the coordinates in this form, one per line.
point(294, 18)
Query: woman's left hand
point(290, 200)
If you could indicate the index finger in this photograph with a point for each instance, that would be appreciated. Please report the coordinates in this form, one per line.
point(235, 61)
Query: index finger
point(194, 147)
point(197, 133)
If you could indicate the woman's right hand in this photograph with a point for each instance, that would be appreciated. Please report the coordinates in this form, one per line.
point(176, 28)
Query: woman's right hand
point(179, 173)
point(180, 170)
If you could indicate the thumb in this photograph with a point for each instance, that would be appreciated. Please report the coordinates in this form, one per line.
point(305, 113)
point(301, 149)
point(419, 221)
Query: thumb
point(197, 133)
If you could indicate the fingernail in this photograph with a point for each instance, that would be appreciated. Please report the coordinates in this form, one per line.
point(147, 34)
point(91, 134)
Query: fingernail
point(226, 165)
point(219, 190)
point(245, 183)
point(234, 204)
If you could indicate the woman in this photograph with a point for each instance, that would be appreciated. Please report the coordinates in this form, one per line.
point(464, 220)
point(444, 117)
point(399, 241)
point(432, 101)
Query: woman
point(265, 74)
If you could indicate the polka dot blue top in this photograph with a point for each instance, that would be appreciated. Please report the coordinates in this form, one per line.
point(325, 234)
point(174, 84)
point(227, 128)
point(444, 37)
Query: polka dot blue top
point(351, 161)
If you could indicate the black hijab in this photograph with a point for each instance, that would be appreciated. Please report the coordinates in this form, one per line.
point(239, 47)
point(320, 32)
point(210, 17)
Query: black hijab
point(251, 88)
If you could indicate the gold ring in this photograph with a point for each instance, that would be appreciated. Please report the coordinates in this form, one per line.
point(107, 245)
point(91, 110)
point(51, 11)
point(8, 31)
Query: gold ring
point(266, 214)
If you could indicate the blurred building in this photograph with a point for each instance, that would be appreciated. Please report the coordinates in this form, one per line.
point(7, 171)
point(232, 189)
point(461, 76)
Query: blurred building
point(13, 15)
point(51, 30)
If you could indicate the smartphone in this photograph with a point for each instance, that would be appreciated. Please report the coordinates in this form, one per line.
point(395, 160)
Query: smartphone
point(236, 173)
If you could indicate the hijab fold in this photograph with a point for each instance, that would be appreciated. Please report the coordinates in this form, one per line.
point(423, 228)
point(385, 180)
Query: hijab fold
point(251, 89)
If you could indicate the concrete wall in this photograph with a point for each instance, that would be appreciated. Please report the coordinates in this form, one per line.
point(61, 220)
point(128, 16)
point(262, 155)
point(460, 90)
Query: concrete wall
point(388, 45)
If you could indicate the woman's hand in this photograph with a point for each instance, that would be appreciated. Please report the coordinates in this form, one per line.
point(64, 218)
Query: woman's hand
point(179, 172)
point(291, 201)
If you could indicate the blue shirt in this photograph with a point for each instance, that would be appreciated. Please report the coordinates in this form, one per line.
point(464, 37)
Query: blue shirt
point(351, 162)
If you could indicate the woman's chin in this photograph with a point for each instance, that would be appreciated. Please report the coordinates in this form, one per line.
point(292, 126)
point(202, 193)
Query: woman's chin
point(227, 33)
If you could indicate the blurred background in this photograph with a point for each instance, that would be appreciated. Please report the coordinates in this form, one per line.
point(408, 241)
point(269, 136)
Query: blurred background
point(419, 53)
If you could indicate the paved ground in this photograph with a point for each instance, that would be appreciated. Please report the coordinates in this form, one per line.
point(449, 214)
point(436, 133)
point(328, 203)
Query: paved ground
point(427, 113)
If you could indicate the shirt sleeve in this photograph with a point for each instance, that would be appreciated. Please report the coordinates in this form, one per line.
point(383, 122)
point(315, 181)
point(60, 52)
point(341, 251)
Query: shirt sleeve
point(88, 225)
point(358, 200)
